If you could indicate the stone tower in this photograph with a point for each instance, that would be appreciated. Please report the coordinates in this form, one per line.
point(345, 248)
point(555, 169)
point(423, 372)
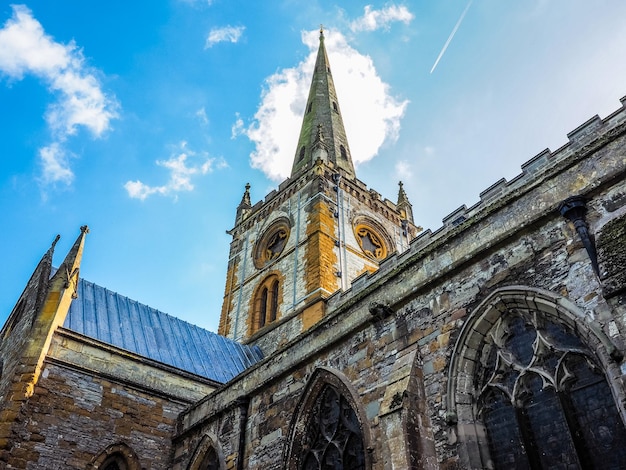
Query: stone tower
point(312, 237)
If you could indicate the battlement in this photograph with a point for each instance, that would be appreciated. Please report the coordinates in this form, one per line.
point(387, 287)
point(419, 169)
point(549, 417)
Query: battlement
point(434, 247)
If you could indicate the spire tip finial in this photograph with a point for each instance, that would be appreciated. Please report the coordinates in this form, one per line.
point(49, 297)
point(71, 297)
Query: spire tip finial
point(321, 32)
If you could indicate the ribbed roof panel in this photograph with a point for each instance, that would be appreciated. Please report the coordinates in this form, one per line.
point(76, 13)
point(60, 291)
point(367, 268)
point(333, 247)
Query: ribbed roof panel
point(117, 320)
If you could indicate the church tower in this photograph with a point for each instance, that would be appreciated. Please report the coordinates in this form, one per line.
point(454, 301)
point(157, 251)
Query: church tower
point(310, 238)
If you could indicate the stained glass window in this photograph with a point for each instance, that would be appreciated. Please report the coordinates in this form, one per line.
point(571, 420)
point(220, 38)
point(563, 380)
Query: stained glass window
point(544, 400)
point(333, 437)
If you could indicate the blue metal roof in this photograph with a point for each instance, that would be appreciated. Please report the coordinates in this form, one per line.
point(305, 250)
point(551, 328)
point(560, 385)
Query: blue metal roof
point(117, 320)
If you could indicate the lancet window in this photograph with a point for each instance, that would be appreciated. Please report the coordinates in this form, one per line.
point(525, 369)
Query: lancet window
point(266, 302)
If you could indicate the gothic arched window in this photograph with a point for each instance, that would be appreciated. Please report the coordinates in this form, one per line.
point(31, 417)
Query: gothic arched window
point(326, 432)
point(544, 400)
point(266, 302)
point(333, 435)
point(207, 455)
point(538, 390)
point(274, 301)
point(115, 457)
point(210, 460)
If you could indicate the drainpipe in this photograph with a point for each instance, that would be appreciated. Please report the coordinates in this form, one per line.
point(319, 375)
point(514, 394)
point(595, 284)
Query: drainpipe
point(574, 209)
point(242, 403)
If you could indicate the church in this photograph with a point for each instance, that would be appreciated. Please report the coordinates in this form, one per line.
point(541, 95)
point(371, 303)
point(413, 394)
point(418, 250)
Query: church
point(350, 338)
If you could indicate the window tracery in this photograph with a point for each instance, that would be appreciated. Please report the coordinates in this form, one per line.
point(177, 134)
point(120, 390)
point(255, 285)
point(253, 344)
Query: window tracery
point(333, 435)
point(543, 399)
point(329, 429)
point(272, 243)
point(370, 241)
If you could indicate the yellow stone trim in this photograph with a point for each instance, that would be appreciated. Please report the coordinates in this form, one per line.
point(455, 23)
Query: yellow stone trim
point(272, 243)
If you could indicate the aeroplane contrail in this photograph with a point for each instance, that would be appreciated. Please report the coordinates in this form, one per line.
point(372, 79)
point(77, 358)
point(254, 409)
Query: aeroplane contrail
point(456, 26)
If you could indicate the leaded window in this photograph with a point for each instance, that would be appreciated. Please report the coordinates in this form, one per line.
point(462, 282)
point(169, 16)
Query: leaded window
point(333, 438)
point(544, 400)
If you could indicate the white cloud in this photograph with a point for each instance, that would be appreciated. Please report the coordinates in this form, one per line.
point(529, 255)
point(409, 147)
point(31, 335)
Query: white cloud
point(377, 19)
point(181, 171)
point(55, 165)
point(225, 34)
point(202, 116)
point(26, 49)
point(404, 170)
point(370, 114)
point(237, 128)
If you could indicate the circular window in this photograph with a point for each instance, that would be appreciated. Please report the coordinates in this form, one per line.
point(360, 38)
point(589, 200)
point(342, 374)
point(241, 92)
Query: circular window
point(371, 241)
point(272, 243)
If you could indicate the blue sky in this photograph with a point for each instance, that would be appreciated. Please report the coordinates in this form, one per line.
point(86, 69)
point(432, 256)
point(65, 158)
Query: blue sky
point(145, 120)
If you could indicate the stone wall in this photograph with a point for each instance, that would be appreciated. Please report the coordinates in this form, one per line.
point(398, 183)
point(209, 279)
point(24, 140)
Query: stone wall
point(392, 335)
point(321, 254)
point(73, 416)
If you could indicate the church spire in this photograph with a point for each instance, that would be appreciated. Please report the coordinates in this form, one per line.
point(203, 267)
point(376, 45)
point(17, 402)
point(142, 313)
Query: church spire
point(322, 122)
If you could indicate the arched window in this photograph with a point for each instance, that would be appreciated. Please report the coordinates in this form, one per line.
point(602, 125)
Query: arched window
point(210, 460)
point(335, 107)
point(274, 298)
point(114, 464)
point(266, 302)
point(308, 110)
point(541, 394)
point(115, 457)
point(263, 307)
point(206, 456)
point(327, 429)
point(301, 155)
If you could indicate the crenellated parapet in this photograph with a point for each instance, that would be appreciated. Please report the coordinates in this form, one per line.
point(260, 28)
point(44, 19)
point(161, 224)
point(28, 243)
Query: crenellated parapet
point(593, 155)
